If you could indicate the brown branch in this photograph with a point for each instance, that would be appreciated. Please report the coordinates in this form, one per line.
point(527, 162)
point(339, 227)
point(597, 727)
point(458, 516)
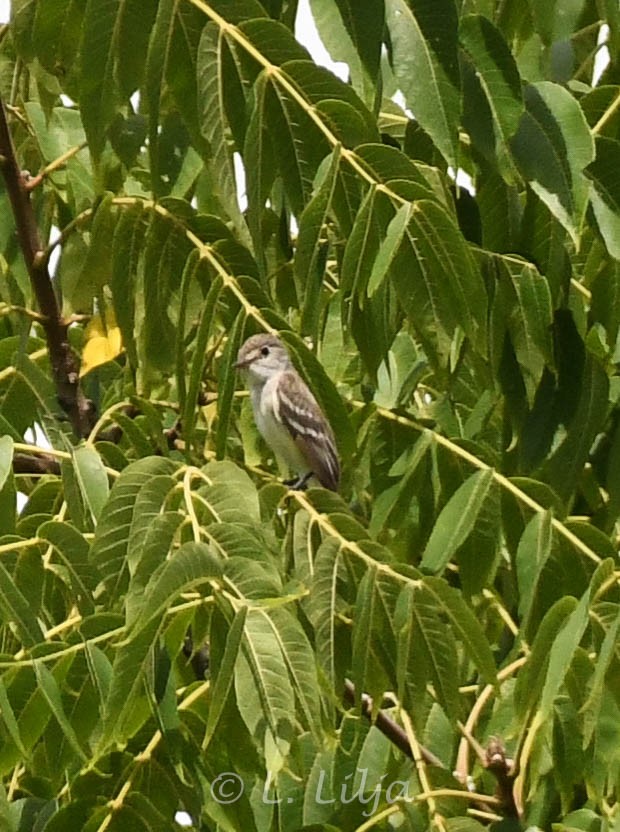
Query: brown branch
point(502, 768)
point(388, 727)
point(43, 464)
point(64, 362)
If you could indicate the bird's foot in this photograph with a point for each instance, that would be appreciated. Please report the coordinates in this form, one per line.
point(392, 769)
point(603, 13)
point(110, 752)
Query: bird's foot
point(299, 483)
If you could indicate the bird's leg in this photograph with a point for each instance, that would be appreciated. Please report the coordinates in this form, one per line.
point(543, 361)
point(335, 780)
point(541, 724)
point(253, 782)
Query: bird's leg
point(300, 483)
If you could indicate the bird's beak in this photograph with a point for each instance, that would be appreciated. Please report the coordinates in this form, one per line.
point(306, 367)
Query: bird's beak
point(241, 365)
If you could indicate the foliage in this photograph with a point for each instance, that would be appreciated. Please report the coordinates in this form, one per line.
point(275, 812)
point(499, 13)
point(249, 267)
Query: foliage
point(464, 348)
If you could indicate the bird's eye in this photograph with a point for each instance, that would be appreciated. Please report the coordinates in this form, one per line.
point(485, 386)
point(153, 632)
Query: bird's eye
point(265, 351)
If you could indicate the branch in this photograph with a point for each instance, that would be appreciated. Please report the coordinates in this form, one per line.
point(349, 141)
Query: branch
point(388, 727)
point(43, 464)
point(64, 362)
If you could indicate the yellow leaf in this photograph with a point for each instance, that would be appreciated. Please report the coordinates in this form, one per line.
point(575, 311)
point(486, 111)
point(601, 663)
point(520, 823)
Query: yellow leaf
point(103, 343)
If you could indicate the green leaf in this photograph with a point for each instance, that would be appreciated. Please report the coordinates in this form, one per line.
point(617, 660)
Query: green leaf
point(565, 465)
point(10, 722)
point(389, 248)
point(312, 248)
point(552, 147)
point(301, 665)
point(532, 678)
point(16, 609)
point(227, 383)
point(352, 33)
point(97, 265)
point(171, 66)
point(51, 691)
point(435, 275)
point(136, 18)
point(605, 197)
point(424, 45)
point(109, 548)
point(98, 90)
point(532, 555)
point(465, 626)
point(456, 520)
point(265, 696)
point(592, 706)
point(224, 677)
point(217, 86)
point(299, 146)
point(561, 654)
point(433, 645)
point(73, 550)
point(92, 479)
point(190, 566)
point(497, 76)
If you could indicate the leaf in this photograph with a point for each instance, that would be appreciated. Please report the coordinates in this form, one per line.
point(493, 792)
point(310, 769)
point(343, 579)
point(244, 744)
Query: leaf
point(434, 274)
point(605, 196)
point(592, 706)
point(456, 520)
point(73, 550)
point(561, 654)
point(301, 665)
point(136, 18)
point(10, 722)
point(96, 267)
point(364, 667)
point(552, 147)
point(126, 252)
point(564, 466)
point(433, 646)
point(227, 382)
point(265, 696)
point(224, 677)
point(532, 556)
point(352, 34)
point(217, 86)
point(98, 91)
point(497, 75)
point(92, 478)
point(104, 343)
point(48, 686)
point(16, 609)
point(424, 44)
point(532, 678)
point(109, 548)
point(389, 247)
point(299, 145)
point(312, 248)
point(465, 626)
point(194, 563)
point(171, 65)
point(323, 607)
point(527, 304)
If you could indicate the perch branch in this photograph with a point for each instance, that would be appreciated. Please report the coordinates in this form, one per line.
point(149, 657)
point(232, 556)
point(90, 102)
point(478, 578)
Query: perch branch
point(64, 362)
point(388, 727)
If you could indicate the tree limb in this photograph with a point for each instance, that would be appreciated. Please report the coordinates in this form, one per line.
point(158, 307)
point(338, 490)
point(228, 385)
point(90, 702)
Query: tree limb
point(64, 362)
point(388, 727)
point(43, 464)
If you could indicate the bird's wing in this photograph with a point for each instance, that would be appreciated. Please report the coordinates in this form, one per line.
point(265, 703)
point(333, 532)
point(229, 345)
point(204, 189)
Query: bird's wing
point(302, 417)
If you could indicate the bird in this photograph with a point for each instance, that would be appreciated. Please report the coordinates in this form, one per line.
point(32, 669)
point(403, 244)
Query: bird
point(287, 414)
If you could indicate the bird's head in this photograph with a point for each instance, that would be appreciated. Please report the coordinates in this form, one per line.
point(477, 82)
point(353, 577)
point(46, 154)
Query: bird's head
point(262, 356)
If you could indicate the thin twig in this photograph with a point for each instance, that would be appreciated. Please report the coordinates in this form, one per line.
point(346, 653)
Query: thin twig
point(60, 162)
